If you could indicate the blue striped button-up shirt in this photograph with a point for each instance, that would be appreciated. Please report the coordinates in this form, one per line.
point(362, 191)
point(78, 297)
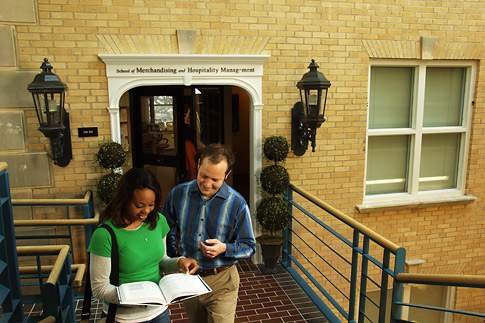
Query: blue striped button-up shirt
point(225, 217)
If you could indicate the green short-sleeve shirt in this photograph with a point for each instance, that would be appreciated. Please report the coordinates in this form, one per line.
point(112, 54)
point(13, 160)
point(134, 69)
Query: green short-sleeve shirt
point(140, 250)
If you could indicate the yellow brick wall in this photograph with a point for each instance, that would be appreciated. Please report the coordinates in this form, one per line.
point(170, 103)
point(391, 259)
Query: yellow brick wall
point(342, 36)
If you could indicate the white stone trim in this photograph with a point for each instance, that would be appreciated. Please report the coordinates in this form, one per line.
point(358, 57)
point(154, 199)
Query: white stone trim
point(121, 71)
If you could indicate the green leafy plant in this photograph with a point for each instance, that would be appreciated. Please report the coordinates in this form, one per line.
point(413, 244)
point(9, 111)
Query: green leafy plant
point(273, 212)
point(111, 155)
point(276, 148)
point(274, 179)
point(106, 187)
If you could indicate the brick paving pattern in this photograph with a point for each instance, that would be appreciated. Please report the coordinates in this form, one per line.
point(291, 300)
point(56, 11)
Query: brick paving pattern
point(264, 298)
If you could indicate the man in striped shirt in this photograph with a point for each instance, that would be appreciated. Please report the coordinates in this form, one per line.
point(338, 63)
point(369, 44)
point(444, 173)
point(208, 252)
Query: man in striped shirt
point(214, 224)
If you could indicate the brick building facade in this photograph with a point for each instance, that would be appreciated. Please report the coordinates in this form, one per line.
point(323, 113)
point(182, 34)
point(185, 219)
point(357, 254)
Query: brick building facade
point(346, 38)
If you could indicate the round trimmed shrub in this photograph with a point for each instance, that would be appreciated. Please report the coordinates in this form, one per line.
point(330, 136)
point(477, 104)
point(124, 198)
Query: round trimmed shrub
point(111, 155)
point(106, 187)
point(275, 179)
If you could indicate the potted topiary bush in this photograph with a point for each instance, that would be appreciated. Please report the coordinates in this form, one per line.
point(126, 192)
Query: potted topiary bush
point(111, 155)
point(273, 212)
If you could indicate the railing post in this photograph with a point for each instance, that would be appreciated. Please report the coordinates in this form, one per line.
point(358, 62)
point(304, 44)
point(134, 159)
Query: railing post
point(363, 279)
point(88, 211)
point(287, 244)
point(398, 288)
point(353, 275)
point(384, 284)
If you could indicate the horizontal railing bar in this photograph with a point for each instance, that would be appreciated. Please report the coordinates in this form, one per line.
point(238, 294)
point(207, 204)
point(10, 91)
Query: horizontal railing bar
point(79, 269)
point(50, 236)
point(61, 250)
point(320, 288)
point(324, 308)
point(55, 222)
point(442, 309)
point(367, 298)
point(477, 281)
point(47, 249)
point(39, 202)
point(318, 255)
point(369, 278)
point(322, 274)
point(375, 262)
point(326, 227)
point(43, 269)
point(322, 224)
point(347, 219)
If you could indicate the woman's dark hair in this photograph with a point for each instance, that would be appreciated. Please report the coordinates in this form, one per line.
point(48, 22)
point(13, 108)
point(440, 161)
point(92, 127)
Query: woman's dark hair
point(217, 153)
point(135, 178)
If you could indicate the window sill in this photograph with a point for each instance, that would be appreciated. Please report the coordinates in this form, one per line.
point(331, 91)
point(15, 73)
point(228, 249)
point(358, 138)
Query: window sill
point(412, 203)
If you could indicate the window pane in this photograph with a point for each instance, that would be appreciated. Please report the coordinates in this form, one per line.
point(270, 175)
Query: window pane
point(164, 110)
point(157, 124)
point(387, 164)
point(443, 97)
point(390, 97)
point(439, 161)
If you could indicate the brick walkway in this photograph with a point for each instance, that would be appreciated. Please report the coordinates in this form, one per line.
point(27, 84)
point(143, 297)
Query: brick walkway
point(266, 299)
point(269, 298)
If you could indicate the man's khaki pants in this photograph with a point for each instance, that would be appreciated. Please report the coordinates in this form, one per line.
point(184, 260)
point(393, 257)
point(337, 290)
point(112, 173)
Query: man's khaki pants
point(218, 306)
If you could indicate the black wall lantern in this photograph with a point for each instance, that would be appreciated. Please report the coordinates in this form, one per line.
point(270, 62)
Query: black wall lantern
point(308, 114)
point(48, 93)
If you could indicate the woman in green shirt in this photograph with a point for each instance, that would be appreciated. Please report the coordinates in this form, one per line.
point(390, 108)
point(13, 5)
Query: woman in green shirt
point(140, 231)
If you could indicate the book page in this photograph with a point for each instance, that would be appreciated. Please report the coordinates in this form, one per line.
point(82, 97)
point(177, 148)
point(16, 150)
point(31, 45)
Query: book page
point(140, 292)
point(178, 285)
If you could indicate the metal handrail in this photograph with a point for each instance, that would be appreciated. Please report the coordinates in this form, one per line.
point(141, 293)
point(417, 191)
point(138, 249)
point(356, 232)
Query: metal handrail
point(28, 202)
point(360, 256)
point(347, 219)
point(79, 269)
point(61, 250)
point(443, 279)
point(51, 222)
point(91, 217)
point(56, 303)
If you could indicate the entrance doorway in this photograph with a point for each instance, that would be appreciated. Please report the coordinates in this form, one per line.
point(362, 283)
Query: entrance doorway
point(167, 124)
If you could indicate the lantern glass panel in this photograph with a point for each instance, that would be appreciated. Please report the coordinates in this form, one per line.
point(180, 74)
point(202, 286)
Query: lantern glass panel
point(48, 106)
point(313, 102)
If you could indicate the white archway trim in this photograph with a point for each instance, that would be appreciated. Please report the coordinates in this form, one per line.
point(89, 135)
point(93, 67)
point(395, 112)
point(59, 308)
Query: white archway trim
point(127, 71)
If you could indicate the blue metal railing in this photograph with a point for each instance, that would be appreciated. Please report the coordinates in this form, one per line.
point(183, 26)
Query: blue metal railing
point(55, 282)
point(88, 221)
point(65, 220)
point(56, 289)
point(340, 263)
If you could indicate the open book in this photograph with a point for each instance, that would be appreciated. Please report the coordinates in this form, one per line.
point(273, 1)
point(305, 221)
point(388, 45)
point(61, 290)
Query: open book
point(171, 288)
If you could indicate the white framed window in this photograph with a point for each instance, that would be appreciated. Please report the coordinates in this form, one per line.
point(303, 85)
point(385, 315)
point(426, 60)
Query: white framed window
point(418, 130)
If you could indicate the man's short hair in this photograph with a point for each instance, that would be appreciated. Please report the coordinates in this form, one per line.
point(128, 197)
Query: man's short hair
point(217, 153)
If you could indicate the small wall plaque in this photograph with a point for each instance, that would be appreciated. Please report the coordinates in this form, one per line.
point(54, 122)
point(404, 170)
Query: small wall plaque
point(88, 132)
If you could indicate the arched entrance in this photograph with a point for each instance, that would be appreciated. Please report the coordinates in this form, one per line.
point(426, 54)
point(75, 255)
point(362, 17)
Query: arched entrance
point(126, 72)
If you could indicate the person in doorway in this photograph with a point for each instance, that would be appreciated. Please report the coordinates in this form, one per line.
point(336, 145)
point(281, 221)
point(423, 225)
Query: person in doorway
point(190, 153)
point(134, 216)
point(215, 228)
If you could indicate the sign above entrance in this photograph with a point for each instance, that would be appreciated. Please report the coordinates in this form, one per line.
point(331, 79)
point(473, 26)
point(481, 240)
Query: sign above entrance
point(187, 70)
point(183, 65)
